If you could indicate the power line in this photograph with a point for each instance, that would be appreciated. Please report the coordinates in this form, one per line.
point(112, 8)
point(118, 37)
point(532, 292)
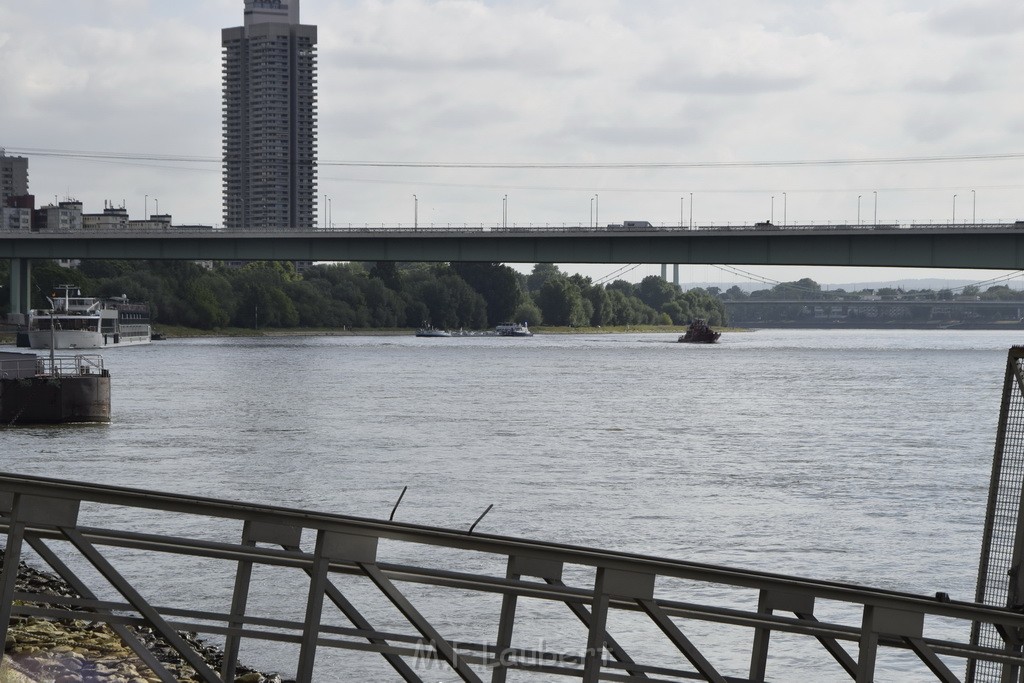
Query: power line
point(178, 158)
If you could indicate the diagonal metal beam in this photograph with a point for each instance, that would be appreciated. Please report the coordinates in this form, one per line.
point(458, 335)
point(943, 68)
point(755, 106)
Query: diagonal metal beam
point(684, 644)
point(931, 660)
point(612, 645)
point(833, 647)
point(123, 632)
point(353, 614)
point(141, 605)
point(443, 647)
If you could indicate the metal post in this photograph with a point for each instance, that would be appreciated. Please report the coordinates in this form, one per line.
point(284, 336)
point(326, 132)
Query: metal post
point(9, 575)
point(595, 636)
point(314, 610)
point(868, 648)
point(506, 623)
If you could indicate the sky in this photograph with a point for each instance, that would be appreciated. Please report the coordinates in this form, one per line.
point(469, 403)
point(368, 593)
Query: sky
point(733, 112)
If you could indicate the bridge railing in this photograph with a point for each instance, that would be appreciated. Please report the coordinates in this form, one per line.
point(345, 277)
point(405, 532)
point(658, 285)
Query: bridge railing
point(515, 229)
point(686, 620)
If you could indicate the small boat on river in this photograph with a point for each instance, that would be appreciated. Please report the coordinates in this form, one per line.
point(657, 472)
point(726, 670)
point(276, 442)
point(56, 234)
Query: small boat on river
point(513, 330)
point(699, 332)
point(431, 331)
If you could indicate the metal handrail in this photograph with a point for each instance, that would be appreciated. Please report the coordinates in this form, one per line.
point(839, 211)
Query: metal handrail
point(518, 228)
point(42, 510)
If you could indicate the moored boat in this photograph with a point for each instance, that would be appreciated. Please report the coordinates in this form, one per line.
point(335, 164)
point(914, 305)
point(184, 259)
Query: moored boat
point(513, 330)
point(431, 331)
point(699, 332)
point(74, 321)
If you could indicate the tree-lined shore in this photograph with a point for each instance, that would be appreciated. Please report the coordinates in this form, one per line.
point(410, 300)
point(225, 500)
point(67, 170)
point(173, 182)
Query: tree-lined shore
point(380, 296)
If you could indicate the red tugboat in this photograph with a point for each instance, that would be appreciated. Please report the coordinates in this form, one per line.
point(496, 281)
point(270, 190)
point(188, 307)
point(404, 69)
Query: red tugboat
point(700, 332)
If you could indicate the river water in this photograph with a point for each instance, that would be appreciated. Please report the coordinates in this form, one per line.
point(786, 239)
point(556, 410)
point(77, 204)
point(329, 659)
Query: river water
point(857, 456)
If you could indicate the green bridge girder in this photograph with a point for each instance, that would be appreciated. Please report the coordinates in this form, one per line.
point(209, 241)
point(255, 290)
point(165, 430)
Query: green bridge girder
point(998, 247)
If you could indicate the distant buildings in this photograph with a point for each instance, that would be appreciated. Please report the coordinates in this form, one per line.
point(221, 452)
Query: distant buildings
point(269, 120)
point(13, 177)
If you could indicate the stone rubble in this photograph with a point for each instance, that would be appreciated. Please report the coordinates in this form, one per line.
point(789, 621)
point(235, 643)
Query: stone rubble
point(80, 651)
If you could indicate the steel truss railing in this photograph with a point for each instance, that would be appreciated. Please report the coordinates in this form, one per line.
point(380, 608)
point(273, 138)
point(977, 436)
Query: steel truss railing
point(43, 513)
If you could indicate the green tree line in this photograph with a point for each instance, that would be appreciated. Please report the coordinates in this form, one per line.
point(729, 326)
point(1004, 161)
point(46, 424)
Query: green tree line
point(376, 295)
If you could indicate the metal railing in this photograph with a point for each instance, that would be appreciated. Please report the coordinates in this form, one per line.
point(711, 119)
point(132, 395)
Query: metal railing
point(58, 366)
point(70, 366)
point(595, 587)
point(518, 228)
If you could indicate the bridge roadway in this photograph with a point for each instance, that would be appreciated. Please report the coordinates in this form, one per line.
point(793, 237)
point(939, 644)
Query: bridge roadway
point(989, 246)
point(995, 246)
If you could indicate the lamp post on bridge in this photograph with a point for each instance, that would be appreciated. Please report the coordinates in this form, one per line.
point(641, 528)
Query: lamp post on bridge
point(784, 201)
point(157, 205)
point(858, 209)
point(415, 212)
point(145, 208)
point(875, 219)
point(597, 210)
point(691, 211)
point(974, 208)
point(954, 209)
point(771, 216)
point(504, 211)
point(591, 212)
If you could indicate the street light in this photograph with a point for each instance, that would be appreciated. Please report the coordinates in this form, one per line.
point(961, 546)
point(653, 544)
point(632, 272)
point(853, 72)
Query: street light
point(504, 211)
point(783, 209)
point(974, 208)
point(597, 210)
point(415, 212)
point(145, 208)
point(591, 212)
point(954, 209)
point(771, 217)
point(691, 211)
point(157, 206)
point(858, 209)
point(875, 192)
point(680, 212)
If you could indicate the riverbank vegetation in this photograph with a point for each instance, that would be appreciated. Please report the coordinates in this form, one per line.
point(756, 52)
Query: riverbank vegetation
point(376, 296)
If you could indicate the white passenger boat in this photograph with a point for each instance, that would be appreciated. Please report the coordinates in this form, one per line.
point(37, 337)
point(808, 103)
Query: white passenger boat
point(77, 322)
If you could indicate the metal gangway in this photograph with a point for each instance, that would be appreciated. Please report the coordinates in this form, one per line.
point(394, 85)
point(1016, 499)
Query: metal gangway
point(329, 552)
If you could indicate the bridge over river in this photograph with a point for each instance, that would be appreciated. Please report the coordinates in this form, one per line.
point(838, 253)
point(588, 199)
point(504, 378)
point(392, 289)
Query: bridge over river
point(988, 246)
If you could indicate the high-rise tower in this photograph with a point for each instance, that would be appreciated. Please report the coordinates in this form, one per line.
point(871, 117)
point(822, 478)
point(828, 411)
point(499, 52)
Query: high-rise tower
point(13, 177)
point(270, 119)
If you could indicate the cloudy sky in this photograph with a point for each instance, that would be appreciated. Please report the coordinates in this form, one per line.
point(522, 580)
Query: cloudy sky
point(713, 99)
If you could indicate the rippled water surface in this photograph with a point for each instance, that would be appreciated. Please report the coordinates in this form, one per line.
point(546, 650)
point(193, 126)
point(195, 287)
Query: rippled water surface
point(857, 456)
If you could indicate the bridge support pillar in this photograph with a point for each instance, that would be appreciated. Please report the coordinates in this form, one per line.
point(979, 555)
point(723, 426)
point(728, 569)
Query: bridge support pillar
point(675, 274)
point(20, 286)
point(664, 272)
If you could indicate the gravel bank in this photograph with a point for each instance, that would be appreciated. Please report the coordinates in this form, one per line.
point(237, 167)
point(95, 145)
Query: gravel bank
point(80, 651)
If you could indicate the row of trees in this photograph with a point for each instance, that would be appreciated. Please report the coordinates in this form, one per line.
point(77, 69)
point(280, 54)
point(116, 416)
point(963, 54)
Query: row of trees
point(792, 302)
point(377, 295)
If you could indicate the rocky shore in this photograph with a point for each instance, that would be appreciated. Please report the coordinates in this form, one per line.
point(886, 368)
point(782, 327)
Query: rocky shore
point(81, 651)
